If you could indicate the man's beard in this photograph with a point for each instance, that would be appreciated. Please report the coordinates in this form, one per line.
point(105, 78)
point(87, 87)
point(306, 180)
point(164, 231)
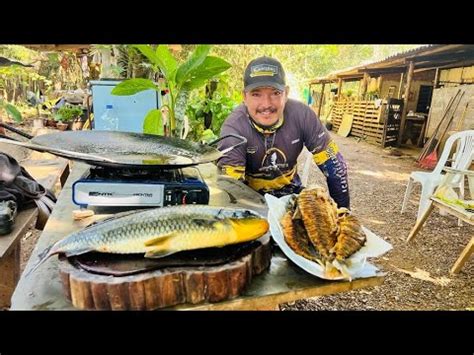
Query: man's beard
point(272, 110)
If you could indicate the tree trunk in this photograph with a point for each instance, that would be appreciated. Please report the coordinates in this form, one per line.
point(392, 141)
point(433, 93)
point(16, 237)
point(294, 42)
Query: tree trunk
point(164, 287)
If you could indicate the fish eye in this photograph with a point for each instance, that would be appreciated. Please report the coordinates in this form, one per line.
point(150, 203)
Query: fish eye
point(247, 213)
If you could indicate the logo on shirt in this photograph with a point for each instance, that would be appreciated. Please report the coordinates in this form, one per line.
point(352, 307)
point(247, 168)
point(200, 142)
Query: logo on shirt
point(274, 160)
point(252, 150)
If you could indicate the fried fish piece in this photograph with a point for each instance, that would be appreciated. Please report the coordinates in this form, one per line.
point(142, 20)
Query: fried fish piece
point(296, 237)
point(351, 237)
point(319, 214)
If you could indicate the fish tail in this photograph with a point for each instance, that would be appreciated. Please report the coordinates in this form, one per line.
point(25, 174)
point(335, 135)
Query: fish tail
point(49, 251)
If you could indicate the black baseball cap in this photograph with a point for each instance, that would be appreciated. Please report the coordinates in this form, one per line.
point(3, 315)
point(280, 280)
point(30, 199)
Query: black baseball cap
point(262, 72)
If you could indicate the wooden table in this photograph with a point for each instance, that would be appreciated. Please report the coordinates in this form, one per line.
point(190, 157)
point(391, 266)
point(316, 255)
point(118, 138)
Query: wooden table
point(283, 282)
point(46, 169)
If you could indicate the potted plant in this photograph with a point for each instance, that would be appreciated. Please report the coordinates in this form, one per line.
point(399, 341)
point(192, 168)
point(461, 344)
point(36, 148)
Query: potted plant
point(66, 116)
point(58, 122)
point(80, 120)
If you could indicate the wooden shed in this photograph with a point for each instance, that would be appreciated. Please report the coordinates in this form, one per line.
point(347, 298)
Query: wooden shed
point(392, 105)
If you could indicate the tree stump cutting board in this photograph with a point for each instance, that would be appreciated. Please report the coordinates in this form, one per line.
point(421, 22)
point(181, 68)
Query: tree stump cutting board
point(118, 282)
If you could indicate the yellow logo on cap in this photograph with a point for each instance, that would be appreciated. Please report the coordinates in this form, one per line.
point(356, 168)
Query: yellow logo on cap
point(263, 70)
point(262, 73)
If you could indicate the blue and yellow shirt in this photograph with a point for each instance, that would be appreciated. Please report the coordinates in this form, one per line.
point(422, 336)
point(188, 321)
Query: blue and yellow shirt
point(268, 161)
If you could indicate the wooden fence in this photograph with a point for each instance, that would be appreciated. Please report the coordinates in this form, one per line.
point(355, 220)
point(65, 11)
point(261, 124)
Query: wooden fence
point(370, 122)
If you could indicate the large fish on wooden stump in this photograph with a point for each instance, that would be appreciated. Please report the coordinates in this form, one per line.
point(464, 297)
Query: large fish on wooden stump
point(163, 231)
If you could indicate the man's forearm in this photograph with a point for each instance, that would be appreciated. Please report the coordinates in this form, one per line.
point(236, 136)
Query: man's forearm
point(333, 166)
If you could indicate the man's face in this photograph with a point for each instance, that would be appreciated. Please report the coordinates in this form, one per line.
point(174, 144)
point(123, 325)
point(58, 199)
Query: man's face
point(266, 104)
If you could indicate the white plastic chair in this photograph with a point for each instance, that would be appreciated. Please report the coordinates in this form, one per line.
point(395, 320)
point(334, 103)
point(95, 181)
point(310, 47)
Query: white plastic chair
point(430, 180)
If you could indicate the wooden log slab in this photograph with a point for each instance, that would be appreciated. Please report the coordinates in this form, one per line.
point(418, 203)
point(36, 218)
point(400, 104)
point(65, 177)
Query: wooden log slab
point(147, 284)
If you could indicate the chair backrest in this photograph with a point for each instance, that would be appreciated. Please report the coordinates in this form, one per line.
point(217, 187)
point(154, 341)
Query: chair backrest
point(464, 151)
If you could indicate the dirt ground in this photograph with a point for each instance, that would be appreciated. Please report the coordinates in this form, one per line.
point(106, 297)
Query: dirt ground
point(417, 274)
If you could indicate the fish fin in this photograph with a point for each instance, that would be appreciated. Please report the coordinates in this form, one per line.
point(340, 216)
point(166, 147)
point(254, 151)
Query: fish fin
point(205, 222)
point(77, 252)
point(159, 239)
point(112, 218)
point(154, 253)
point(43, 256)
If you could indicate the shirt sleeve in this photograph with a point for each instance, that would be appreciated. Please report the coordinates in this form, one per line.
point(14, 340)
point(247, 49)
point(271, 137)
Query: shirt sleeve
point(332, 165)
point(233, 162)
point(327, 157)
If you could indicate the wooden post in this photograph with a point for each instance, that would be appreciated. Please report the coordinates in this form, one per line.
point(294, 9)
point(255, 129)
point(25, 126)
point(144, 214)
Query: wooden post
point(321, 99)
point(380, 82)
point(339, 88)
point(411, 66)
point(400, 86)
point(365, 84)
point(436, 79)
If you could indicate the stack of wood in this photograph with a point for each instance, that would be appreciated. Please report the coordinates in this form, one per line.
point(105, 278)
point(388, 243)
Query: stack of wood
point(366, 119)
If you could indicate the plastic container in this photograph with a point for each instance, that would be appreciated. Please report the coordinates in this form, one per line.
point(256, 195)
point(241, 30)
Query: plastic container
point(109, 119)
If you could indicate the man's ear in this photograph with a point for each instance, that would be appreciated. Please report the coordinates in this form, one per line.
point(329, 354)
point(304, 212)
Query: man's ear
point(287, 91)
point(243, 97)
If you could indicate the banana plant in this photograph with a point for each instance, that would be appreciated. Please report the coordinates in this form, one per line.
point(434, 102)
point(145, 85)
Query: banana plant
point(179, 81)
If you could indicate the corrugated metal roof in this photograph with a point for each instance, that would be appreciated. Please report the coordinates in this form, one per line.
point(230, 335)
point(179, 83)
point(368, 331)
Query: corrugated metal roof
point(406, 53)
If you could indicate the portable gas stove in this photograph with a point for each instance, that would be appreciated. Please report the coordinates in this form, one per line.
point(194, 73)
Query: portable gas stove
point(106, 186)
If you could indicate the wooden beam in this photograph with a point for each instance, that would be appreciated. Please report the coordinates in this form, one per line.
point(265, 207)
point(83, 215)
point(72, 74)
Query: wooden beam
point(463, 55)
point(320, 81)
point(400, 86)
point(466, 253)
point(58, 47)
point(339, 88)
point(411, 66)
point(321, 99)
point(457, 65)
point(365, 84)
point(352, 77)
point(391, 70)
point(436, 79)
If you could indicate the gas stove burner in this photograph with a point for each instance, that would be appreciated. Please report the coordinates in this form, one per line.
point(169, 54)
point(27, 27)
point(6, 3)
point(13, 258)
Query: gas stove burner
point(106, 186)
point(134, 173)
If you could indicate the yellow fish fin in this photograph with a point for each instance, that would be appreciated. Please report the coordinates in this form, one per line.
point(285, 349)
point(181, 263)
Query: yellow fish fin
point(156, 253)
point(159, 239)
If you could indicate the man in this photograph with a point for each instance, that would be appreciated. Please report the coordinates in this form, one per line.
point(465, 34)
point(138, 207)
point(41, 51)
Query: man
point(276, 129)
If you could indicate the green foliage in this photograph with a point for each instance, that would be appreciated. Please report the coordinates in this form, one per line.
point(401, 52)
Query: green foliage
point(180, 80)
point(153, 123)
point(208, 136)
point(68, 113)
point(11, 110)
point(19, 53)
point(133, 86)
point(218, 106)
point(131, 63)
point(302, 63)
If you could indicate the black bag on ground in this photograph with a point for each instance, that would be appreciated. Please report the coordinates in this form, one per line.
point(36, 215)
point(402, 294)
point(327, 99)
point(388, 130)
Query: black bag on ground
point(17, 185)
point(7, 216)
